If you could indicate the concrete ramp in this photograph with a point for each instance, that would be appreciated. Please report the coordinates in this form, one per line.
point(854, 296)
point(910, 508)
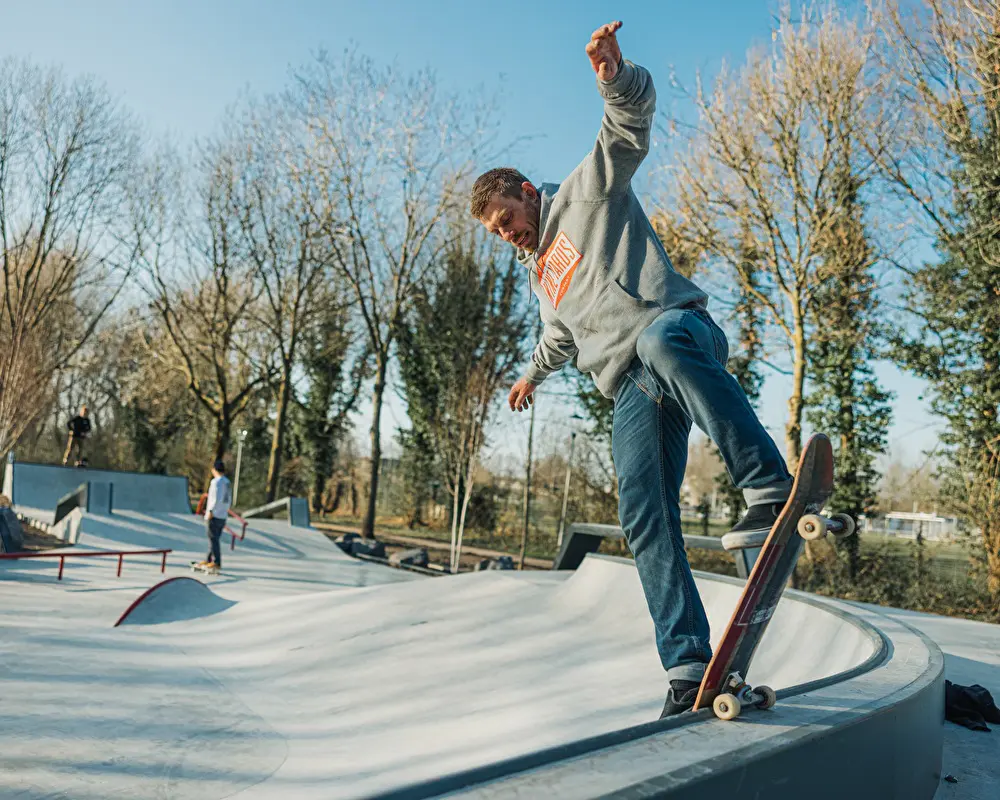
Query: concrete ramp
point(483, 685)
point(173, 600)
point(805, 642)
point(43, 485)
point(383, 687)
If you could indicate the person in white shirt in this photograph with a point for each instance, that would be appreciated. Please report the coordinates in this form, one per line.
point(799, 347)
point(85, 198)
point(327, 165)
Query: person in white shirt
point(220, 496)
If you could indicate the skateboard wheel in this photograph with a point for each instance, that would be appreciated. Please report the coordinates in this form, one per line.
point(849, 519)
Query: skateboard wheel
point(812, 527)
point(727, 706)
point(848, 522)
point(767, 697)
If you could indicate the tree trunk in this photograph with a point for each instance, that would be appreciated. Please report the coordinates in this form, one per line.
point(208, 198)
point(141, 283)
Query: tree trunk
point(454, 521)
point(338, 495)
point(793, 429)
point(849, 478)
point(368, 524)
point(222, 427)
point(278, 439)
point(319, 484)
point(325, 457)
point(461, 520)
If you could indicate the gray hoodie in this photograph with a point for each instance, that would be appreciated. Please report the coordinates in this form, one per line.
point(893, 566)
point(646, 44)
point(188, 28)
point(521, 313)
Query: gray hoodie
point(600, 273)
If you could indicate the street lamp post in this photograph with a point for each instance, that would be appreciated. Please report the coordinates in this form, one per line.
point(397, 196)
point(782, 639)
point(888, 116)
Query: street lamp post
point(565, 502)
point(239, 458)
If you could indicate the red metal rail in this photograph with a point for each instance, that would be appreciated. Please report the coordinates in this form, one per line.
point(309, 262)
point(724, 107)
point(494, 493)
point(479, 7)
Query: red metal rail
point(120, 553)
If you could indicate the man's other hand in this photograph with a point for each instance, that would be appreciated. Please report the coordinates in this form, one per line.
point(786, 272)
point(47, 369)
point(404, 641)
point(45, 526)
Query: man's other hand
point(603, 50)
point(520, 395)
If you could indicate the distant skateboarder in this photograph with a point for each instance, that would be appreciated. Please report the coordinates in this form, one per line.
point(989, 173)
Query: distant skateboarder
point(220, 496)
point(79, 429)
point(610, 298)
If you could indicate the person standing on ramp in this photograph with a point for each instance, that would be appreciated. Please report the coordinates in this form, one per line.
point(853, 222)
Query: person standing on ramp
point(79, 429)
point(610, 298)
point(220, 497)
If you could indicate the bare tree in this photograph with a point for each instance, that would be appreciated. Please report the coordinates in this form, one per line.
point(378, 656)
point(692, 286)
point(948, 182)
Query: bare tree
point(941, 56)
point(200, 284)
point(67, 156)
point(284, 245)
point(759, 167)
point(392, 154)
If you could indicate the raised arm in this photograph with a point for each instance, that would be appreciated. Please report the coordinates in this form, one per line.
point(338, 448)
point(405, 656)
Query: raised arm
point(629, 105)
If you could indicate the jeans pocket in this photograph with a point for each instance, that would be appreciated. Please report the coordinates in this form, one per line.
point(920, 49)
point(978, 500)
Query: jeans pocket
point(721, 344)
point(639, 376)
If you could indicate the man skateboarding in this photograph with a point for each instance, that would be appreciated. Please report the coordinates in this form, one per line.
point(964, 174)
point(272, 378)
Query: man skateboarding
point(610, 298)
point(220, 496)
point(79, 429)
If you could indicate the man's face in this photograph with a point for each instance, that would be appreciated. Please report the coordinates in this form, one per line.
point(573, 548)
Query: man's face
point(515, 219)
point(83, 411)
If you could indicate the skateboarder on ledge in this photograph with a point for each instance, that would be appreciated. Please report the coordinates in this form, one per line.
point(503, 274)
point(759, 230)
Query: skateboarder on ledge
point(609, 297)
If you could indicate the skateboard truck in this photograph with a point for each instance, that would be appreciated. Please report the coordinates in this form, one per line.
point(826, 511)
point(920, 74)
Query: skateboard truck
point(816, 526)
point(737, 693)
point(810, 528)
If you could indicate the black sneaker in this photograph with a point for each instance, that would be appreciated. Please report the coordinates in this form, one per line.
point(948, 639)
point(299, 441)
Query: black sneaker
point(680, 698)
point(758, 518)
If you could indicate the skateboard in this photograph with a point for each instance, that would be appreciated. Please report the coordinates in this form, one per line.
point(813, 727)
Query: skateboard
point(724, 686)
point(196, 566)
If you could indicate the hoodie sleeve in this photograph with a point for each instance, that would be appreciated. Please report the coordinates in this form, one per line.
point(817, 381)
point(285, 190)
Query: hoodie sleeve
point(622, 144)
point(553, 351)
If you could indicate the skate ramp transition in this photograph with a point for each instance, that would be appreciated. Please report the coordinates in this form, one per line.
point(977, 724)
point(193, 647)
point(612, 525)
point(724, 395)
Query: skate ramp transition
point(486, 685)
point(860, 712)
point(172, 600)
point(42, 486)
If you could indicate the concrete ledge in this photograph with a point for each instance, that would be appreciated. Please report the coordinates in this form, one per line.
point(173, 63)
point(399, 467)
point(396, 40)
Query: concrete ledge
point(584, 538)
point(872, 731)
point(43, 485)
point(296, 507)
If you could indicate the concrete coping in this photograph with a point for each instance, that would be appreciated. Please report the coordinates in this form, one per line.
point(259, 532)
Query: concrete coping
point(872, 731)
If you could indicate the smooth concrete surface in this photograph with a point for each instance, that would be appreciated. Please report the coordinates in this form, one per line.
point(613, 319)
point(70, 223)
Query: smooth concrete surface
point(43, 485)
point(332, 677)
point(874, 735)
point(971, 655)
point(273, 559)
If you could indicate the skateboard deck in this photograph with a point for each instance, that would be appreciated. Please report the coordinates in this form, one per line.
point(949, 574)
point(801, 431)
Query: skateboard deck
point(197, 567)
point(726, 673)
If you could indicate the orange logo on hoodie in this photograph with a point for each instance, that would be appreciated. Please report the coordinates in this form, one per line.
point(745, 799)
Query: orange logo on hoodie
point(556, 267)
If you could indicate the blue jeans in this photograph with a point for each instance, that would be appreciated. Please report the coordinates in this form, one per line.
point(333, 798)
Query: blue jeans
point(216, 526)
point(679, 377)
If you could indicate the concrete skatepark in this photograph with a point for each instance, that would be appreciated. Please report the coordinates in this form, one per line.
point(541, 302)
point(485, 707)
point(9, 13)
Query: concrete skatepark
point(302, 672)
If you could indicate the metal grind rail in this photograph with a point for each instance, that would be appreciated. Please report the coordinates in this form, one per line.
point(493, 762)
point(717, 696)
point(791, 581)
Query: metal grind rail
point(119, 553)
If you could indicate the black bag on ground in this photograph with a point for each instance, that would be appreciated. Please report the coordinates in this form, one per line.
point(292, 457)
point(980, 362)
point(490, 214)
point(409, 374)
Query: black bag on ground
point(971, 706)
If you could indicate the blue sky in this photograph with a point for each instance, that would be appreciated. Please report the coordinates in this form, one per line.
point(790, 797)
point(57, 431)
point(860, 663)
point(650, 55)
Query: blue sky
point(178, 64)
